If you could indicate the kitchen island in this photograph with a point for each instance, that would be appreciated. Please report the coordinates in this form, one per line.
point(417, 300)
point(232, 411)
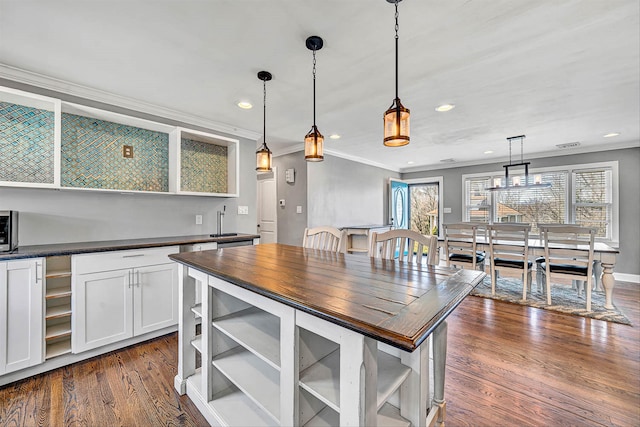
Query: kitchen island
point(296, 336)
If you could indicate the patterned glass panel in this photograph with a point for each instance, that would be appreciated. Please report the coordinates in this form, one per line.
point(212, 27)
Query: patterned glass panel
point(26, 144)
point(203, 167)
point(92, 156)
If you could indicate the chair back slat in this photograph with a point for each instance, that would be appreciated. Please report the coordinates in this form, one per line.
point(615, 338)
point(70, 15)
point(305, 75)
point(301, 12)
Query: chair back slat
point(404, 245)
point(324, 238)
point(460, 242)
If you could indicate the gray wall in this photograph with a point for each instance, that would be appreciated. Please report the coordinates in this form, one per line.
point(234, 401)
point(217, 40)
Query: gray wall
point(629, 205)
point(60, 216)
point(342, 193)
point(291, 224)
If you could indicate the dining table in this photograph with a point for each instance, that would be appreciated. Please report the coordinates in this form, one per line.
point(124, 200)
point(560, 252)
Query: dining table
point(274, 334)
point(604, 257)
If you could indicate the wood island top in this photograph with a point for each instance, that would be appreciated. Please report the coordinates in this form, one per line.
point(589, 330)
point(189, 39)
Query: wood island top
point(393, 302)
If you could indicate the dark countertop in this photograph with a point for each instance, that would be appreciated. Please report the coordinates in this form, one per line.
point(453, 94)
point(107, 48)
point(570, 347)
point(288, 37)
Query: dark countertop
point(73, 248)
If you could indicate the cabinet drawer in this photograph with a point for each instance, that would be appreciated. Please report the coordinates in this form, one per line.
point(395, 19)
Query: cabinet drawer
point(106, 261)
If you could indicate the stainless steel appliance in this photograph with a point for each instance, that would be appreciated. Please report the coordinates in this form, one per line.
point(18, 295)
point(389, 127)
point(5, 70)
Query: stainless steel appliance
point(8, 231)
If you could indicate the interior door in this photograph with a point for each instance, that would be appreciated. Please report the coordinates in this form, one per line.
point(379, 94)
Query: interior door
point(399, 203)
point(267, 207)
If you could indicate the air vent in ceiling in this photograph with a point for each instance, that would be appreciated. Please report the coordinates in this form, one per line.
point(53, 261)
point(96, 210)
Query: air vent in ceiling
point(568, 145)
point(447, 160)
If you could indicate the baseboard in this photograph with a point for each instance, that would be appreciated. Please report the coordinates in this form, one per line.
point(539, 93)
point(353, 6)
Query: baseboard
point(625, 277)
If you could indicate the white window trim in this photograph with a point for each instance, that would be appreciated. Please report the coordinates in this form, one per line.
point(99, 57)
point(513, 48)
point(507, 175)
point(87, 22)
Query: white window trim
point(570, 169)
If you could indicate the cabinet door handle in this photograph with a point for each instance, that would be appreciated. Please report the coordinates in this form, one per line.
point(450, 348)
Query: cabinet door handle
point(130, 277)
point(132, 256)
point(38, 270)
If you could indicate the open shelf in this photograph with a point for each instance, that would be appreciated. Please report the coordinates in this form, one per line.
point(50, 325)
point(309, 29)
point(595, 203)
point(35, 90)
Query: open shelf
point(197, 310)
point(232, 406)
point(58, 330)
point(60, 292)
point(256, 330)
point(58, 311)
point(253, 376)
point(322, 379)
point(197, 343)
point(58, 274)
point(58, 348)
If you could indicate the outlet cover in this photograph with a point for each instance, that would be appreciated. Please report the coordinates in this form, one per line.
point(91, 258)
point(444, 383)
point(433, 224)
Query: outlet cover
point(198, 219)
point(298, 209)
point(243, 210)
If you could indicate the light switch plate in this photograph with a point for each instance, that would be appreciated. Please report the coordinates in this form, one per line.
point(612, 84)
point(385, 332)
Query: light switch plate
point(447, 210)
point(298, 209)
point(243, 210)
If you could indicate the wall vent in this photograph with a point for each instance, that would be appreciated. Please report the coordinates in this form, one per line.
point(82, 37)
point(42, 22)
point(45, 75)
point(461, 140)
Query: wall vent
point(568, 145)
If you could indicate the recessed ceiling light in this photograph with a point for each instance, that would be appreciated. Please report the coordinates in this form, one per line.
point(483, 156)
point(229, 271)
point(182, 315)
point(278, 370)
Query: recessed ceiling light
point(245, 105)
point(610, 135)
point(334, 136)
point(488, 152)
point(445, 107)
point(410, 162)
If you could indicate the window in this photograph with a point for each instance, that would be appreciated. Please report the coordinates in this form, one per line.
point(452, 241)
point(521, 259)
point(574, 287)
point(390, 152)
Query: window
point(579, 194)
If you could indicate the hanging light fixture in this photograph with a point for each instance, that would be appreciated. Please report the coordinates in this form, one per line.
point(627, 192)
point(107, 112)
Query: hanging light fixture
point(516, 182)
point(313, 141)
point(263, 155)
point(396, 118)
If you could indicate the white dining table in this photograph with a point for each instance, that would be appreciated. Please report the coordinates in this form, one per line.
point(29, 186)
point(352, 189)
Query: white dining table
point(603, 255)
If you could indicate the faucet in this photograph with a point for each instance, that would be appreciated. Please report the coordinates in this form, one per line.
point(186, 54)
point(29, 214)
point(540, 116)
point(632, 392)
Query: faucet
point(220, 215)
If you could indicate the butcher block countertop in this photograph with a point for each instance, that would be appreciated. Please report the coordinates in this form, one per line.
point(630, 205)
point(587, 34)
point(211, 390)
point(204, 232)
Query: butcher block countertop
point(390, 301)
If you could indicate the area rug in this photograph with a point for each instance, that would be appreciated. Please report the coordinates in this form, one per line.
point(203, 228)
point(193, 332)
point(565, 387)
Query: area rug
point(564, 299)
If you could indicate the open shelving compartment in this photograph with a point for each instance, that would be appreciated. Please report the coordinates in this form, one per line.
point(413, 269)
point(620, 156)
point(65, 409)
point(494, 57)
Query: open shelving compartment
point(319, 362)
point(203, 164)
point(58, 306)
point(241, 342)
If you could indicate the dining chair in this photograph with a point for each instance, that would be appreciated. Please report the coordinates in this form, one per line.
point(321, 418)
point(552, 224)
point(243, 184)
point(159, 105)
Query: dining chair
point(568, 253)
point(404, 245)
point(460, 245)
point(509, 251)
point(325, 238)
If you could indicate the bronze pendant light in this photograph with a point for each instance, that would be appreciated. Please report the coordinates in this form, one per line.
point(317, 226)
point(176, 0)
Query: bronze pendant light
point(313, 141)
point(263, 155)
point(396, 118)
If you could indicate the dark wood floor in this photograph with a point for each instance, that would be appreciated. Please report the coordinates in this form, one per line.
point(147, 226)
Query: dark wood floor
point(507, 366)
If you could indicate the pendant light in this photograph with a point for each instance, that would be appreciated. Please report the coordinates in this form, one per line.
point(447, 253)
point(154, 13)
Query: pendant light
point(396, 118)
point(313, 141)
point(515, 183)
point(263, 155)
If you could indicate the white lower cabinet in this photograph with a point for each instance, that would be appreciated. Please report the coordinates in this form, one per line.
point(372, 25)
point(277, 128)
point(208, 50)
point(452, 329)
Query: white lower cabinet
point(21, 321)
point(116, 304)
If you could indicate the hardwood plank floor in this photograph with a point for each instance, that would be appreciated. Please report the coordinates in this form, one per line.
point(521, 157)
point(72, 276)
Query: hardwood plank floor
point(507, 365)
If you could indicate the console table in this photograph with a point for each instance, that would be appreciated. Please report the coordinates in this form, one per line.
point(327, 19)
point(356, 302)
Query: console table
point(294, 336)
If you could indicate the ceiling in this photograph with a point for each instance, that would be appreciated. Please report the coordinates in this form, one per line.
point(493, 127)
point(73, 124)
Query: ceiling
point(557, 71)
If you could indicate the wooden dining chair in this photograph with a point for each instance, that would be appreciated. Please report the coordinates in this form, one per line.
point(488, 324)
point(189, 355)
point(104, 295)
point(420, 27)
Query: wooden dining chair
point(568, 253)
point(404, 245)
point(325, 238)
point(460, 245)
point(509, 251)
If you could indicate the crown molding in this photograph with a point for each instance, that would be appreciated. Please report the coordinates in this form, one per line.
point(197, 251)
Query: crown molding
point(45, 82)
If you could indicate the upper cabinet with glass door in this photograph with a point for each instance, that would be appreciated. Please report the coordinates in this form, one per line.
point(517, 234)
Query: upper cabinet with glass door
point(29, 139)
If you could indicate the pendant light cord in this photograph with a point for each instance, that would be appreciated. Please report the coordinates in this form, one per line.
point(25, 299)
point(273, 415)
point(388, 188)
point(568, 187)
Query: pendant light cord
point(314, 91)
point(397, 49)
point(264, 114)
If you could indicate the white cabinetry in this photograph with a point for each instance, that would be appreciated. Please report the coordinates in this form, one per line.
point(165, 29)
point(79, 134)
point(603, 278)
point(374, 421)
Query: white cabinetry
point(118, 295)
point(21, 319)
